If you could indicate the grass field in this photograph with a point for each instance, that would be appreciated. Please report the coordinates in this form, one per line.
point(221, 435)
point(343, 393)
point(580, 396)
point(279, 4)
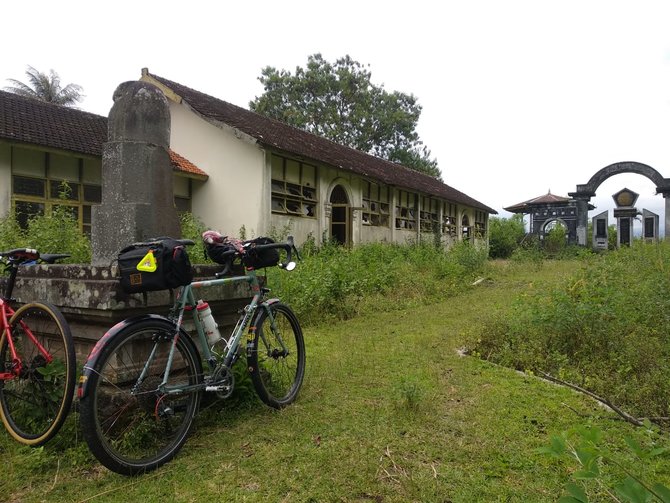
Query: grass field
point(389, 412)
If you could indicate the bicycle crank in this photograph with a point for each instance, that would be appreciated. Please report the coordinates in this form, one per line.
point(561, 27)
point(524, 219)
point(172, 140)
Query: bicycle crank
point(221, 382)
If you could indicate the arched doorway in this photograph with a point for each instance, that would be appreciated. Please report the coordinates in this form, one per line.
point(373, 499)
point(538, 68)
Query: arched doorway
point(555, 235)
point(466, 230)
point(340, 216)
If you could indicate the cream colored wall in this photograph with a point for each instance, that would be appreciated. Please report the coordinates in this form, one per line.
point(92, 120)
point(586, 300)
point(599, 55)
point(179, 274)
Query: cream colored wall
point(234, 194)
point(237, 192)
point(5, 179)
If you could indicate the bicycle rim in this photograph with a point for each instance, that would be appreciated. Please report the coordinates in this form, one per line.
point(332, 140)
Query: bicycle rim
point(131, 426)
point(34, 404)
point(277, 358)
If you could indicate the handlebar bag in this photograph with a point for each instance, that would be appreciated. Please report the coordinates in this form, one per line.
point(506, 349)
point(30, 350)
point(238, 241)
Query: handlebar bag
point(216, 251)
point(157, 265)
point(254, 258)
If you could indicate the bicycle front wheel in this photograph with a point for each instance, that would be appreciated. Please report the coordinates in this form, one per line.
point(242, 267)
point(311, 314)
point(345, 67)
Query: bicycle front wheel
point(131, 423)
point(35, 403)
point(276, 356)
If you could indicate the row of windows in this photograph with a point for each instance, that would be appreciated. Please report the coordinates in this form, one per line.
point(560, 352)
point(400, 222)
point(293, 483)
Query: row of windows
point(44, 181)
point(35, 196)
point(293, 192)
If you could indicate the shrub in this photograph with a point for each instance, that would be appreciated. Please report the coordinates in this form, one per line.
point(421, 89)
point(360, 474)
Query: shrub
point(603, 328)
point(55, 233)
point(192, 228)
point(334, 282)
point(505, 235)
point(59, 233)
point(11, 234)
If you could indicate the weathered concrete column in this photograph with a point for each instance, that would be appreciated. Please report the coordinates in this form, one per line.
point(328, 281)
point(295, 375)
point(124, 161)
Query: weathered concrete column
point(666, 217)
point(137, 186)
point(582, 219)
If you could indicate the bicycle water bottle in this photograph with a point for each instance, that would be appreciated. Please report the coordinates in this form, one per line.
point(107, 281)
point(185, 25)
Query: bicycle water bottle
point(211, 328)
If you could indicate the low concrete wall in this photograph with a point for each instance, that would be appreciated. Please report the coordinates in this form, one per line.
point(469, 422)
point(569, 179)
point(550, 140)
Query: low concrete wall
point(92, 301)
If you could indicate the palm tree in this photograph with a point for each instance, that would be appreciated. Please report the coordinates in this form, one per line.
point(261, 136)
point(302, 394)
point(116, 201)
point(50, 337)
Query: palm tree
point(46, 88)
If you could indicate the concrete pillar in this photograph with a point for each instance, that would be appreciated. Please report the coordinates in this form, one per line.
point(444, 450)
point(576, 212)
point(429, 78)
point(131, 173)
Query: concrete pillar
point(137, 192)
point(582, 218)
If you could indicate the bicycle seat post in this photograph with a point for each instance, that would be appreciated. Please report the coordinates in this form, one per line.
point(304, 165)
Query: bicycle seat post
point(13, 270)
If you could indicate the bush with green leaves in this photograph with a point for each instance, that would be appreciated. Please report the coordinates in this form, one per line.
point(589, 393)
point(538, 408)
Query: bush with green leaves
point(505, 235)
point(603, 329)
point(192, 228)
point(337, 282)
point(57, 232)
point(607, 472)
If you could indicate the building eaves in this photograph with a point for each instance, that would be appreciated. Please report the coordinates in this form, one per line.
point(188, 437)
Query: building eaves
point(280, 136)
point(32, 122)
point(29, 121)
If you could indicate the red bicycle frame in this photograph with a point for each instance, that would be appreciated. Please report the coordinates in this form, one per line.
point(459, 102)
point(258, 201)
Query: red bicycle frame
point(6, 312)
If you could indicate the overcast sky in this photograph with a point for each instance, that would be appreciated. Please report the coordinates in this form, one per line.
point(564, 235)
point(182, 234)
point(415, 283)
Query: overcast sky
point(519, 97)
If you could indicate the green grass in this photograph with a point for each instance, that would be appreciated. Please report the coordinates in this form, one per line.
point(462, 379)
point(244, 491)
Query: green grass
point(389, 412)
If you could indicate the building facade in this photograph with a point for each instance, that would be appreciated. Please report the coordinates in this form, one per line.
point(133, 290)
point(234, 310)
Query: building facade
point(266, 175)
point(233, 169)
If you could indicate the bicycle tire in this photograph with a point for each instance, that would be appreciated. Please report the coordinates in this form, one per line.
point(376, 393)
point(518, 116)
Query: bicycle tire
point(133, 433)
point(34, 405)
point(277, 375)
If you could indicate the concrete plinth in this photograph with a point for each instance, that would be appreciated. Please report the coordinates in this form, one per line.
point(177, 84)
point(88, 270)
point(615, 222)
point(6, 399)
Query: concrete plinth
point(92, 301)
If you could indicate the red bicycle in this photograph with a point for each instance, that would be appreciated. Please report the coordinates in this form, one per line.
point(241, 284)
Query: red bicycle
point(37, 359)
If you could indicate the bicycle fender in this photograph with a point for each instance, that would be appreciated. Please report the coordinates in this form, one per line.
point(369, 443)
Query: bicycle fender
point(93, 356)
point(259, 310)
point(269, 302)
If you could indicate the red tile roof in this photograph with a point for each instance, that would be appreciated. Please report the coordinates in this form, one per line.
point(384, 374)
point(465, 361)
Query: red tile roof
point(33, 122)
point(186, 166)
point(281, 136)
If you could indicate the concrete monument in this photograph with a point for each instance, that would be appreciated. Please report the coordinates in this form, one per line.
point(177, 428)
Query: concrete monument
point(137, 192)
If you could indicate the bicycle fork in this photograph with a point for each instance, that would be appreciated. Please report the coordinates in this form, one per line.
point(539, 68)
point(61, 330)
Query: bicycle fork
point(274, 329)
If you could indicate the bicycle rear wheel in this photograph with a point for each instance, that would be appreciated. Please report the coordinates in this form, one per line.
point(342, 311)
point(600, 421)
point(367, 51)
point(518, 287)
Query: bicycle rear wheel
point(129, 424)
point(34, 404)
point(276, 357)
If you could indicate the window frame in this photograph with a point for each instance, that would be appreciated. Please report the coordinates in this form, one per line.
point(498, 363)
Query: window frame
point(292, 193)
point(376, 210)
point(429, 218)
point(47, 169)
point(406, 214)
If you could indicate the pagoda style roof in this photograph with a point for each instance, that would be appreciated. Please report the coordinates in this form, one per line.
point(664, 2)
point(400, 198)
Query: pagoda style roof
point(543, 200)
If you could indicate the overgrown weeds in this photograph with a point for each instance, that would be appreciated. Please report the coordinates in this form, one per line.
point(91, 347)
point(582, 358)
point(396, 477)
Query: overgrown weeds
point(57, 232)
point(604, 328)
point(339, 283)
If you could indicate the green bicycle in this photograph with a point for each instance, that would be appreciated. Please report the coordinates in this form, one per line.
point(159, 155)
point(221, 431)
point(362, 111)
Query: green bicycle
point(142, 383)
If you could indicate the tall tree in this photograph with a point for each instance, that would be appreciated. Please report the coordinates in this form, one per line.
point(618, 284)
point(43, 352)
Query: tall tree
point(46, 88)
point(339, 102)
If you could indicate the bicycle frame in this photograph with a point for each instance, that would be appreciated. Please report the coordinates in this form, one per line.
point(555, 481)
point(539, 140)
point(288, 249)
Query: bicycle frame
point(6, 312)
point(187, 301)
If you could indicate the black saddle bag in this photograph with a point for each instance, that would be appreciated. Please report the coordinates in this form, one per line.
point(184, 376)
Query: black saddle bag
point(155, 265)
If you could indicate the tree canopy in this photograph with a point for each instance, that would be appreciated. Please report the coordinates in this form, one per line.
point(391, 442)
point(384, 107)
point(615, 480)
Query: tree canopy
point(46, 88)
point(339, 102)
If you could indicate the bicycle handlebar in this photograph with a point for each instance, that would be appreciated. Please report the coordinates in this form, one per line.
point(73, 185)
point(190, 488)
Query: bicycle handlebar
point(288, 247)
